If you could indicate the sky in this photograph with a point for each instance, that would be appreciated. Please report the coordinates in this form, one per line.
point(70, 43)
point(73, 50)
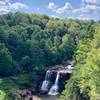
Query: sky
point(77, 9)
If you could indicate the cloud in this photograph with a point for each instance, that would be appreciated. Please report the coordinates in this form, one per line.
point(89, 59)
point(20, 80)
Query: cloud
point(38, 8)
point(6, 6)
point(67, 7)
point(84, 17)
point(93, 2)
point(2, 3)
point(18, 5)
point(60, 10)
point(88, 9)
point(3, 11)
point(52, 6)
point(54, 16)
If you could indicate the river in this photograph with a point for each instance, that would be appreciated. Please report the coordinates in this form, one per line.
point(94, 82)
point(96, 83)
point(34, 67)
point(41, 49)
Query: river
point(46, 97)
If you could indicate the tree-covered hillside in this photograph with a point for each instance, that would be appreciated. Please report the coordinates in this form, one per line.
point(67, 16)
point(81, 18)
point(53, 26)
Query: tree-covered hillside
point(29, 42)
point(33, 42)
point(85, 81)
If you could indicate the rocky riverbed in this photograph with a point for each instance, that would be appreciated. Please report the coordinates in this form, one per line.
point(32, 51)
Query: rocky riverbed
point(27, 94)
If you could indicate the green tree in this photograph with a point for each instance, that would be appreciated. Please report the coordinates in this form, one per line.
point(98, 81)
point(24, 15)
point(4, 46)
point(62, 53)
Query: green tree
point(6, 61)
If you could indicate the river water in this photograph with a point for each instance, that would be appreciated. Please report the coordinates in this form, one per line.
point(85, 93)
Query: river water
point(49, 97)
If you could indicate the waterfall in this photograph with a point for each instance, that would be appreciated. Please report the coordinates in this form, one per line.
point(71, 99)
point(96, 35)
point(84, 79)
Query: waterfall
point(48, 75)
point(46, 83)
point(55, 88)
point(57, 78)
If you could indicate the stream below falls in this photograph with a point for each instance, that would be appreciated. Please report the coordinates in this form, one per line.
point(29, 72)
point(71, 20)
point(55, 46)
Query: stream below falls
point(47, 97)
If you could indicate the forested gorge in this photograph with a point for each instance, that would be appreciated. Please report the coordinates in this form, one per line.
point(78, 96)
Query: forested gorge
point(33, 42)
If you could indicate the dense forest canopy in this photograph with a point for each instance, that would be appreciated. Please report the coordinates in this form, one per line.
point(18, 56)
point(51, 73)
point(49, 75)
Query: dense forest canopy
point(29, 42)
point(34, 42)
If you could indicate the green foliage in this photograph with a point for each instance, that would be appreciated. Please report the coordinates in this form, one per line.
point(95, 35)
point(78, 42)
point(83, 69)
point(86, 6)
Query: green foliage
point(85, 81)
point(6, 62)
point(9, 87)
point(24, 80)
point(26, 63)
point(2, 95)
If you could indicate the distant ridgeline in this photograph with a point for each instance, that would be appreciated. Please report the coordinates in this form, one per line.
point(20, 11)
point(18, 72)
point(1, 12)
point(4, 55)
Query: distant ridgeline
point(30, 43)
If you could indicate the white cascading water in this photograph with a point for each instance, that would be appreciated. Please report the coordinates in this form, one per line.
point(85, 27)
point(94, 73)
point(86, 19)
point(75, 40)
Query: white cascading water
point(55, 88)
point(46, 83)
